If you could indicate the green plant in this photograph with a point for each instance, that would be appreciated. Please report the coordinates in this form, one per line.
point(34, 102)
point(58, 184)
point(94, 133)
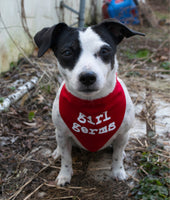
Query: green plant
point(133, 73)
point(140, 54)
point(165, 65)
point(151, 188)
point(13, 65)
point(1, 99)
point(151, 164)
point(46, 88)
point(12, 88)
point(155, 182)
point(31, 115)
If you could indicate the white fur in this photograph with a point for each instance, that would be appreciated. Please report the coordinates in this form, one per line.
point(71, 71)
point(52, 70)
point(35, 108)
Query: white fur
point(106, 79)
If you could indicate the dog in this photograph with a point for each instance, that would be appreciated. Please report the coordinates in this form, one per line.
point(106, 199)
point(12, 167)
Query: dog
point(92, 107)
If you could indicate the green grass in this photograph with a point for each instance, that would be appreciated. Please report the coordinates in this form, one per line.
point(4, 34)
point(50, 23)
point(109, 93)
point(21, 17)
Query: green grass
point(31, 115)
point(140, 54)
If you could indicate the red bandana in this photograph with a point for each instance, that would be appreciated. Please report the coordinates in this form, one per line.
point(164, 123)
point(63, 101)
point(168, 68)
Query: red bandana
point(94, 122)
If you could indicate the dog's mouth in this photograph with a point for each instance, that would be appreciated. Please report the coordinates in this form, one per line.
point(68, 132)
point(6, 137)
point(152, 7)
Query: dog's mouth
point(87, 90)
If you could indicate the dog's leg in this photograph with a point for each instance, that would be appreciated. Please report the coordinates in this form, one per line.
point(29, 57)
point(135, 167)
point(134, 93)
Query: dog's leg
point(57, 152)
point(119, 144)
point(64, 147)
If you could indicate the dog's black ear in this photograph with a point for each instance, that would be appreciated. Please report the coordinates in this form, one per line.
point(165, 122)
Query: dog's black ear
point(118, 30)
point(43, 38)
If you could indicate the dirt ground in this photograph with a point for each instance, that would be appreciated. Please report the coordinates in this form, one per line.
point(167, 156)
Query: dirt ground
point(27, 137)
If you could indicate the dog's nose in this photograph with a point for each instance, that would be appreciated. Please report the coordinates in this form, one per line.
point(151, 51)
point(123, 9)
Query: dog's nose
point(87, 78)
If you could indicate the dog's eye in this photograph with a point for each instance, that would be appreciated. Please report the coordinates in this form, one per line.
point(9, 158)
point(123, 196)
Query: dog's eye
point(104, 51)
point(66, 53)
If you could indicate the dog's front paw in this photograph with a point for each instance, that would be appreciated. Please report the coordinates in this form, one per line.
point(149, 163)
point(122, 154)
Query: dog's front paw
point(119, 174)
point(63, 179)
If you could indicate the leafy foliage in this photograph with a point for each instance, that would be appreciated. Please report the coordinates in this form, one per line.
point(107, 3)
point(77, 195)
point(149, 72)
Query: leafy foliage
point(151, 188)
point(1, 99)
point(155, 183)
point(151, 164)
point(166, 66)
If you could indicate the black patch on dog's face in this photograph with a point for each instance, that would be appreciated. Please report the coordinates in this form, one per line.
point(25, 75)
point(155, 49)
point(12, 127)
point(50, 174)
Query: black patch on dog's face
point(67, 48)
point(107, 52)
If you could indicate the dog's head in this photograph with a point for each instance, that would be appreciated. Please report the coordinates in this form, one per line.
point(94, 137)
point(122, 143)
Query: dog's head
point(86, 58)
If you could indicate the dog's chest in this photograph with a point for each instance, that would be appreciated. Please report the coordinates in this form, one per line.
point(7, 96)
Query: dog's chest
point(93, 123)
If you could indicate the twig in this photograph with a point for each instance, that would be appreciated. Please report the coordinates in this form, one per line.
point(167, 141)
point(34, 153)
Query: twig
point(68, 197)
point(28, 182)
point(135, 179)
point(42, 163)
point(143, 170)
point(165, 152)
point(53, 185)
point(146, 144)
point(24, 21)
point(28, 196)
point(63, 188)
point(139, 141)
point(89, 189)
point(137, 99)
point(136, 149)
point(32, 136)
point(100, 168)
point(90, 195)
point(159, 154)
point(149, 71)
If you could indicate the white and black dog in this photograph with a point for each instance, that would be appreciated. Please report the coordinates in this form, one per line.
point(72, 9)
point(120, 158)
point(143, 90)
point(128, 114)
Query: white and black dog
point(92, 107)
